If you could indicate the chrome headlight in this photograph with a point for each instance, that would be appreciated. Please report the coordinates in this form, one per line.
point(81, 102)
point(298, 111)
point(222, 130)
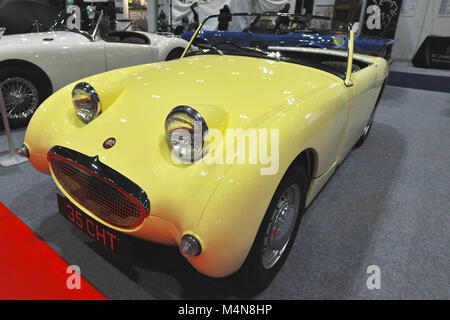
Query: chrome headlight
point(186, 131)
point(86, 102)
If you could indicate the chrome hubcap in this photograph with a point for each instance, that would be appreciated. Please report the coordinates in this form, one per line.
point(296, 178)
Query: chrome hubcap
point(21, 98)
point(280, 227)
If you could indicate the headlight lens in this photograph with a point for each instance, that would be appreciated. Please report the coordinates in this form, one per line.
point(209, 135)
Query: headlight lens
point(86, 102)
point(186, 131)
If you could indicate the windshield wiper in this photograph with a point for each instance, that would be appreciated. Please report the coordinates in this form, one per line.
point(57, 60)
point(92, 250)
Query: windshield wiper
point(275, 55)
point(271, 54)
point(210, 47)
point(256, 50)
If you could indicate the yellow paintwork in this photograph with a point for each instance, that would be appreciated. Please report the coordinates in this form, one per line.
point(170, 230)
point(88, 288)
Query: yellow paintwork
point(222, 205)
point(348, 75)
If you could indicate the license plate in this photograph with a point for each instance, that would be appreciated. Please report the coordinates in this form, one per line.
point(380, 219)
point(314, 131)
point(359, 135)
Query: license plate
point(104, 236)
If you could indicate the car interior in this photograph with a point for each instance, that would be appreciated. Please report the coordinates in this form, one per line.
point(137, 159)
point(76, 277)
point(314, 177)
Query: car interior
point(127, 37)
point(335, 62)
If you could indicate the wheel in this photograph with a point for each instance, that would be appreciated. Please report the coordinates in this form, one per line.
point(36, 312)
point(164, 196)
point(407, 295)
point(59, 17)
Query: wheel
point(366, 131)
point(175, 54)
point(369, 124)
point(276, 233)
point(23, 92)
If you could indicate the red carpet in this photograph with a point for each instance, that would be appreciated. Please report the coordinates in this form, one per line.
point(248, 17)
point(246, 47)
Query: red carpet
point(31, 269)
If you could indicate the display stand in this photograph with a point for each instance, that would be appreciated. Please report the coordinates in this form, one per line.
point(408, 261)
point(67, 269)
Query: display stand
point(8, 158)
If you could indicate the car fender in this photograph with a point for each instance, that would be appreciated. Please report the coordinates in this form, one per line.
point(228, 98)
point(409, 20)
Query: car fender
point(165, 45)
point(237, 206)
point(63, 56)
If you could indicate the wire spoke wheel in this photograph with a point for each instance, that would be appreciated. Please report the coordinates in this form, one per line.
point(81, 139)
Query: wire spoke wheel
point(21, 98)
point(281, 226)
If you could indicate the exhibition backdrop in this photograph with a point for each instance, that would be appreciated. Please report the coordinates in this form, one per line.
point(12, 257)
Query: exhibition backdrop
point(418, 20)
point(389, 14)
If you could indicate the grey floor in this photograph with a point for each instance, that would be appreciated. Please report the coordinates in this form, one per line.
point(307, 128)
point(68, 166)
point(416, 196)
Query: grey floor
point(387, 205)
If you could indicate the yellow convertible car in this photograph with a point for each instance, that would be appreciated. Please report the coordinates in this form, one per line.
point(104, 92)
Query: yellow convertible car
point(218, 153)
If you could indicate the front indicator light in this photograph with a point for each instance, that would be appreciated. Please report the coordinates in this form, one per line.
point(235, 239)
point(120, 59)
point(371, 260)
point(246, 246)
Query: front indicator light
point(23, 151)
point(190, 246)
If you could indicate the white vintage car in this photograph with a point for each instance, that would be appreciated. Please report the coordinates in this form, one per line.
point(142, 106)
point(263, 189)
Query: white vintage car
point(34, 65)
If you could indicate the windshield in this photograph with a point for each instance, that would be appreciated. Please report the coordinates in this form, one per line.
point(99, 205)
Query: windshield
point(277, 36)
point(290, 24)
point(88, 27)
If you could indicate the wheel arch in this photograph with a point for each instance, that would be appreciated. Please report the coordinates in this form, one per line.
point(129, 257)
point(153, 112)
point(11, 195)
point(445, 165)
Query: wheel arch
point(218, 223)
point(308, 158)
point(29, 66)
point(180, 49)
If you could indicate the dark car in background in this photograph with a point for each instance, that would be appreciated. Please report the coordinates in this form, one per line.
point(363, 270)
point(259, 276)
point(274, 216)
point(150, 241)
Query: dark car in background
point(23, 16)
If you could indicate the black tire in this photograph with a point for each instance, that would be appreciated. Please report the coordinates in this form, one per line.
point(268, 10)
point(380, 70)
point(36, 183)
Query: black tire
point(175, 54)
point(253, 277)
point(8, 73)
point(368, 127)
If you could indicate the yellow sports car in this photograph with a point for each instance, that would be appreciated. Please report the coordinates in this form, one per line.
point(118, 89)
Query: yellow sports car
point(218, 153)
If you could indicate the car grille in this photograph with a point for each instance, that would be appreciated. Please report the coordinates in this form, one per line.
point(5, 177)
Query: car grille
point(99, 196)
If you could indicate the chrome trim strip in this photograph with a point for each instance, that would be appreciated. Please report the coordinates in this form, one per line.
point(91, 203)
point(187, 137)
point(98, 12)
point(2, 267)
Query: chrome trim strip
point(321, 51)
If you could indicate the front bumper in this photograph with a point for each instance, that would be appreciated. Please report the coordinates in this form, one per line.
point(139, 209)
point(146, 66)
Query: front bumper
point(223, 226)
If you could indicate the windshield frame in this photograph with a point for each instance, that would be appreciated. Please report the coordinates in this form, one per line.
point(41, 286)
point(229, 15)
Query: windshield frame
point(59, 22)
point(347, 51)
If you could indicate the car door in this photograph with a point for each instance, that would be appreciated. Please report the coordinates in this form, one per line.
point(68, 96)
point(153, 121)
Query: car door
point(362, 97)
point(121, 55)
